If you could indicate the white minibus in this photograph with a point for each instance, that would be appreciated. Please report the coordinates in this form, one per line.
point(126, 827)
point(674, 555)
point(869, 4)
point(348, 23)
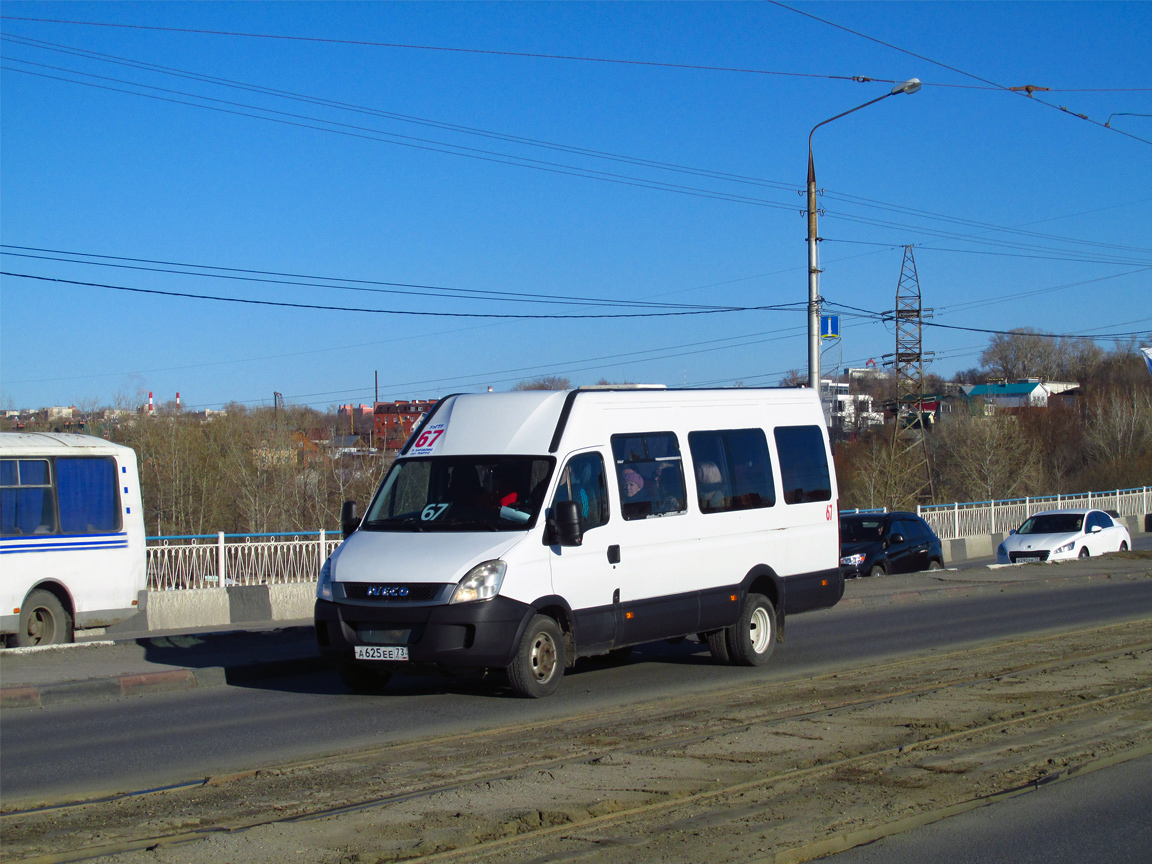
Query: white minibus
point(71, 536)
point(524, 530)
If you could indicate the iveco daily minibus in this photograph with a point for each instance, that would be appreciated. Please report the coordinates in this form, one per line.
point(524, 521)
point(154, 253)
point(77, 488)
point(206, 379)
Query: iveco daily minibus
point(523, 530)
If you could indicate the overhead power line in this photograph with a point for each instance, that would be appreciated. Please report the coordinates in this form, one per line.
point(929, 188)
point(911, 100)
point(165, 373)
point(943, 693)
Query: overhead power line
point(789, 307)
point(455, 149)
point(1028, 92)
point(535, 55)
point(232, 273)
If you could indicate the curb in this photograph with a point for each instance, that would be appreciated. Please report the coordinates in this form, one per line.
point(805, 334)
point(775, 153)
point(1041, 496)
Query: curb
point(154, 682)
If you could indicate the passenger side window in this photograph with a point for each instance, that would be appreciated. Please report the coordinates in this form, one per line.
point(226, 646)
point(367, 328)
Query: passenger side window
point(584, 482)
point(897, 527)
point(803, 464)
point(650, 474)
point(733, 470)
point(89, 503)
point(26, 503)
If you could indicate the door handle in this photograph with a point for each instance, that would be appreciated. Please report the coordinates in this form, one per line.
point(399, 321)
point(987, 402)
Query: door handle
point(614, 554)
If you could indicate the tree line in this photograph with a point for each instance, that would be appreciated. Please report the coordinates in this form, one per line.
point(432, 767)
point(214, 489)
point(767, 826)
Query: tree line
point(263, 470)
point(1098, 439)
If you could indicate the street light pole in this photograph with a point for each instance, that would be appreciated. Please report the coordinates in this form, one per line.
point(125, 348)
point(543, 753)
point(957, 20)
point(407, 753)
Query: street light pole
point(910, 86)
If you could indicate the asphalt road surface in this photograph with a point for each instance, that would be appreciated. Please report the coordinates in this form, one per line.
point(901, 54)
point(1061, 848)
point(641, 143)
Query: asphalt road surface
point(78, 750)
point(1101, 817)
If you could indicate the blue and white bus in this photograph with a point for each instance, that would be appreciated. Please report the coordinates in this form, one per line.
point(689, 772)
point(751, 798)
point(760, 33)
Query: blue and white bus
point(72, 551)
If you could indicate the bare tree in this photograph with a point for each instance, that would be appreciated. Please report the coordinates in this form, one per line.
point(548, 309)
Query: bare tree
point(544, 382)
point(984, 458)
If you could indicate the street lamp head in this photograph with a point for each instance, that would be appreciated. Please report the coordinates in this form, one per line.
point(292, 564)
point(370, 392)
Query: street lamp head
point(909, 86)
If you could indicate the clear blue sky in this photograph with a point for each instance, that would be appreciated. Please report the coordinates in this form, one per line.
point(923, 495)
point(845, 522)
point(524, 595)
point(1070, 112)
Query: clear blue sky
point(109, 172)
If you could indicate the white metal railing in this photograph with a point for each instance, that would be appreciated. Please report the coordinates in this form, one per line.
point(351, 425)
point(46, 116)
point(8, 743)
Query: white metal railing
point(213, 561)
point(952, 521)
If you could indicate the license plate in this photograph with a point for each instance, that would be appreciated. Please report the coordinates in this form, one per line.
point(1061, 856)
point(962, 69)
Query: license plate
point(381, 652)
point(1029, 559)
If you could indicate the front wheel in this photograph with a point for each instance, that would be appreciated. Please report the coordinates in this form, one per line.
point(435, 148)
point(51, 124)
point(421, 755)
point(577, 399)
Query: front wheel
point(538, 666)
point(1084, 553)
point(43, 621)
point(752, 638)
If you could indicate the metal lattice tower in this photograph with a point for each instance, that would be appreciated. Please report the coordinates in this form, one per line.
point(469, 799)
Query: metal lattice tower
point(910, 474)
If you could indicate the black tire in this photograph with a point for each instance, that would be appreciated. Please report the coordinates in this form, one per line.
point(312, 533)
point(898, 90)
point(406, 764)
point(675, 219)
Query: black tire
point(718, 645)
point(752, 638)
point(1084, 553)
point(935, 564)
point(538, 666)
point(876, 571)
point(360, 678)
point(43, 621)
point(1123, 545)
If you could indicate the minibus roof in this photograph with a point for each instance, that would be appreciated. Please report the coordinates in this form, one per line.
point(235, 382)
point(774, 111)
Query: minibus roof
point(534, 421)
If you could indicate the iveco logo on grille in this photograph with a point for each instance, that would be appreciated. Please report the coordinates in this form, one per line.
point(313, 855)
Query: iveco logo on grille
point(387, 591)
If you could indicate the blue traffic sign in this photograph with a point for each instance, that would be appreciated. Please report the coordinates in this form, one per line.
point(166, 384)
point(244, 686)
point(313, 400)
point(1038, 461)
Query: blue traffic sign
point(829, 326)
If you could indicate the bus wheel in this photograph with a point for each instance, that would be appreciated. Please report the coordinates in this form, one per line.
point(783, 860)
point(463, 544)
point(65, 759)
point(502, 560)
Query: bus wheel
point(43, 621)
point(363, 679)
point(752, 638)
point(538, 665)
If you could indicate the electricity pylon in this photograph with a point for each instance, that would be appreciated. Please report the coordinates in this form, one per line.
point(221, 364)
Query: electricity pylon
point(910, 474)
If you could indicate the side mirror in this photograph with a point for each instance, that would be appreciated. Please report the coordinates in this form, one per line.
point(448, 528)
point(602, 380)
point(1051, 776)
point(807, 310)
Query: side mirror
point(897, 538)
point(567, 518)
point(349, 518)
point(1011, 531)
point(1095, 529)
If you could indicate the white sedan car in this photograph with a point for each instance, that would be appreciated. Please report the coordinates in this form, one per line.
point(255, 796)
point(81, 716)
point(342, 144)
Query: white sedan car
point(1057, 535)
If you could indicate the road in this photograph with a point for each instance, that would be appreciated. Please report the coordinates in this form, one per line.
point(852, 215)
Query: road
point(78, 750)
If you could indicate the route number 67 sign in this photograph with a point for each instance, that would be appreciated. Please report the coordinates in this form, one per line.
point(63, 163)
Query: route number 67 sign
point(425, 443)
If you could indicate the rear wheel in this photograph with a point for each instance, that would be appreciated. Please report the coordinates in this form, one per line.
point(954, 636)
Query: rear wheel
point(43, 621)
point(752, 638)
point(539, 663)
point(363, 679)
point(1084, 553)
point(1123, 545)
point(935, 565)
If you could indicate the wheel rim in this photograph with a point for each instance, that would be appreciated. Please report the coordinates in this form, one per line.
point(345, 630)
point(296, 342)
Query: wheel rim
point(1084, 552)
point(543, 657)
point(41, 626)
point(760, 629)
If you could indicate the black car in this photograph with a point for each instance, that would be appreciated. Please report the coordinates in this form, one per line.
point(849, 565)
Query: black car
point(872, 544)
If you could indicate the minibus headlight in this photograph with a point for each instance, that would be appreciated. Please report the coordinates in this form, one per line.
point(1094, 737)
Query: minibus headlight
point(482, 582)
point(324, 583)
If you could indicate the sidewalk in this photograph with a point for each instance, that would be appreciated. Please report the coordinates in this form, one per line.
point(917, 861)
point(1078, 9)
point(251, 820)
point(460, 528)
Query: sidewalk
point(151, 663)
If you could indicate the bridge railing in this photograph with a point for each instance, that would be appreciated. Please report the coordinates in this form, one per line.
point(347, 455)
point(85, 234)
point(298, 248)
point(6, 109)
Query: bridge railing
point(953, 521)
point(220, 560)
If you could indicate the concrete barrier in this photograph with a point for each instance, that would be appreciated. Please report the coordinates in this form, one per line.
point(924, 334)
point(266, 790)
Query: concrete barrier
point(211, 607)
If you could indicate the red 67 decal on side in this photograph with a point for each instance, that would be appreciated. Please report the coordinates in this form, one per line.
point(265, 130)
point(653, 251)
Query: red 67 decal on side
point(828, 513)
point(425, 442)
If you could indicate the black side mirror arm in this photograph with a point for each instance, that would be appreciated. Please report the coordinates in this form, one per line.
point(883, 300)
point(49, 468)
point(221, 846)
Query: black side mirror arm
point(349, 518)
point(566, 517)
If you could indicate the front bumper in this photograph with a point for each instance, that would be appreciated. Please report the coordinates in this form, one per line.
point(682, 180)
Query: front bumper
point(479, 635)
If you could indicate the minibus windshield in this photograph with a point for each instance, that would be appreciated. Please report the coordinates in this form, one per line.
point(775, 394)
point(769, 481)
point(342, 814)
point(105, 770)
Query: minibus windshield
point(460, 493)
